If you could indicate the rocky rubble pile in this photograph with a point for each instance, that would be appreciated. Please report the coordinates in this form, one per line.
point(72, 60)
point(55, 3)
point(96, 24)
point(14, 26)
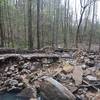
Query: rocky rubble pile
point(80, 75)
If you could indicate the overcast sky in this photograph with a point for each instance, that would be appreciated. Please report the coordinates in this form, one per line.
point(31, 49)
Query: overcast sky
point(72, 2)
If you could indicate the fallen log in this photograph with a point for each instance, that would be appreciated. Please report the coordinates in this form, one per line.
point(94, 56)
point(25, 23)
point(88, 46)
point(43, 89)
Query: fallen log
point(19, 51)
point(26, 51)
point(33, 56)
point(50, 89)
point(38, 55)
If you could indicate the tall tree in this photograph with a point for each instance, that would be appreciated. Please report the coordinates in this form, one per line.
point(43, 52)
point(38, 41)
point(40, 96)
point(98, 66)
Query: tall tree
point(38, 24)
point(65, 26)
point(57, 22)
point(68, 7)
point(25, 30)
point(10, 11)
point(42, 23)
point(84, 4)
point(92, 27)
point(30, 36)
point(86, 20)
point(54, 18)
point(1, 28)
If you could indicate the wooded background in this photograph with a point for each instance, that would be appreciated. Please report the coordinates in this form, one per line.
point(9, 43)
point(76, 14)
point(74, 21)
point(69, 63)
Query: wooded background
point(38, 23)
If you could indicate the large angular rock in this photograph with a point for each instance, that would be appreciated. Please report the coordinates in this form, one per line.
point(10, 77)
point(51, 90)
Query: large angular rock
point(78, 75)
point(51, 89)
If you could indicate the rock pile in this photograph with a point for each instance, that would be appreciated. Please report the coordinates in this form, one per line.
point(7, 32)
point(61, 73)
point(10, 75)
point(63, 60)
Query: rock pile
point(80, 77)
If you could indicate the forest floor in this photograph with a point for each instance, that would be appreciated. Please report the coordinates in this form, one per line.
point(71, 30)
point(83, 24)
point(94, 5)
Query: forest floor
point(51, 75)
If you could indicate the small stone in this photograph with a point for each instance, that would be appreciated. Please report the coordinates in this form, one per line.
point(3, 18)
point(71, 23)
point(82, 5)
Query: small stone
point(9, 73)
point(13, 82)
point(45, 61)
point(92, 57)
point(90, 62)
point(83, 66)
point(87, 72)
point(32, 68)
point(67, 68)
point(25, 71)
point(6, 69)
point(98, 65)
point(20, 84)
point(12, 68)
point(26, 65)
point(80, 91)
point(91, 78)
point(1, 82)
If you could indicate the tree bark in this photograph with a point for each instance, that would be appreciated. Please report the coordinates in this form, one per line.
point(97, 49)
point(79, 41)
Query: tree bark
point(54, 17)
point(65, 26)
point(42, 23)
point(30, 36)
point(92, 28)
point(38, 24)
point(1, 29)
point(78, 29)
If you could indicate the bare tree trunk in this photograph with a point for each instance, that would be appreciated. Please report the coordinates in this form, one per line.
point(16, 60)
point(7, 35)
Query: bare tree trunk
point(42, 24)
point(76, 22)
point(57, 22)
point(86, 22)
point(10, 27)
point(92, 28)
point(3, 23)
point(38, 24)
point(30, 37)
point(1, 29)
point(78, 29)
point(83, 8)
point(50, 26)
point(7, 28)
point(67, 22)
point(54, 17)
point(25, 23)
point(65, 26)
point(71, 35)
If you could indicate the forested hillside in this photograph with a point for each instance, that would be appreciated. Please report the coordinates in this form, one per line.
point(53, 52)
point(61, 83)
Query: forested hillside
point(57, 23)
